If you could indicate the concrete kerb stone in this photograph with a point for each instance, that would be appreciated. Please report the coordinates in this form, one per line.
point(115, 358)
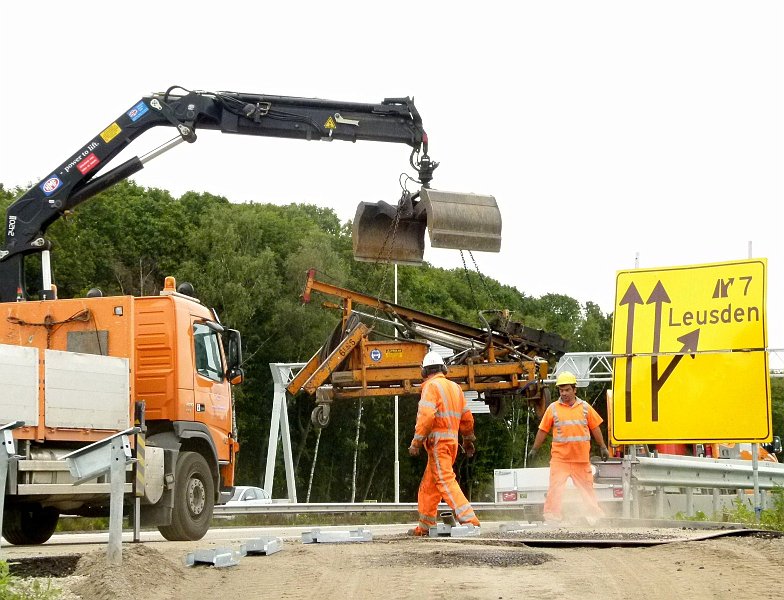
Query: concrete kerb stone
point(456, 531)
point(335, 537)
point(228, 557)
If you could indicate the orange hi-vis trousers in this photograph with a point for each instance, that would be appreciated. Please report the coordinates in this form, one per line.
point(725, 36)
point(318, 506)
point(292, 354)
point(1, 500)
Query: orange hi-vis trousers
point(439, 482)
point(581, 475)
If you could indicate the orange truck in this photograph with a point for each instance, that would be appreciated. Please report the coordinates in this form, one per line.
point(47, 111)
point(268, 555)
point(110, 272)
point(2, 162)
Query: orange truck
point(75, 369)
point(78, 370)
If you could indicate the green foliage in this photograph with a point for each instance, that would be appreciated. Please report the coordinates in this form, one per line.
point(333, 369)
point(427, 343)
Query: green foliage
point(698, 516)
point(85, 524)
point(15, 588)
point(773, 518)
point(770, 518)
point(249, 261)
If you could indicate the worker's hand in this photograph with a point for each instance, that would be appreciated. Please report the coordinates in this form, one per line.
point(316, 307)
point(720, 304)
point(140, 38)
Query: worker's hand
point(532, 453)
point(413, 450)
point(605, 453)
point(469, 448)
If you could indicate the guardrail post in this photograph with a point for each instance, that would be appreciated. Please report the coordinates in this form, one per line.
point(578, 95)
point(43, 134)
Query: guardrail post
point(139, 468)
point(755, 479)
point(117, 486)
point(716, 498)
point(659, 502)
point(109, 455)
point(626, 482)
point(689, 501)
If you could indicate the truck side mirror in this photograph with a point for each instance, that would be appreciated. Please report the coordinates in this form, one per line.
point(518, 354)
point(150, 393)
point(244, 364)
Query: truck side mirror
point(233, 350)
point(236, 376)
point(776, 444)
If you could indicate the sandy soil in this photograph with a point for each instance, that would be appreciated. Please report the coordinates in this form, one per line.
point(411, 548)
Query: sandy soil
point(497, 565)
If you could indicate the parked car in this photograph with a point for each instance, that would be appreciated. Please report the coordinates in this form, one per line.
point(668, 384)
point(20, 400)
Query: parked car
point(249, 496)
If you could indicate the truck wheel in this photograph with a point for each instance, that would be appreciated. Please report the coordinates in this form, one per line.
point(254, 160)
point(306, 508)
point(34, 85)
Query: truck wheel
point(29, 524)
point(194, 499)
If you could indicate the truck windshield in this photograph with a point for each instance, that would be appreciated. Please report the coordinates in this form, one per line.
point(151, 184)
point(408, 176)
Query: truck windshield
point(207, 352)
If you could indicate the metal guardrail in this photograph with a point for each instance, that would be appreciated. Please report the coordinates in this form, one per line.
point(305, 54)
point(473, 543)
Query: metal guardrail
point(665, 471)
point(691, 473)
point(349, 507)
point(669, 470)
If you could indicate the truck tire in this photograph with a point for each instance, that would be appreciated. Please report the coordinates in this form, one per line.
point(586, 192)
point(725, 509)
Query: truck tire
point(194, 499)
point(28, 524)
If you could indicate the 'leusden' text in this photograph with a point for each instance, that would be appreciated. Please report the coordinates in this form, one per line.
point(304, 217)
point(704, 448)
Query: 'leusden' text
point(715, 316)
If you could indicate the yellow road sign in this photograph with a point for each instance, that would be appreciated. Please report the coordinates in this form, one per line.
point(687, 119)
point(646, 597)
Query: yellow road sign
point(692, 363)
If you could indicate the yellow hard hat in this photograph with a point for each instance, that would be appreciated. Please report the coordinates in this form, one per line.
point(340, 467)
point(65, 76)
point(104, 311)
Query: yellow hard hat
point(566, 378)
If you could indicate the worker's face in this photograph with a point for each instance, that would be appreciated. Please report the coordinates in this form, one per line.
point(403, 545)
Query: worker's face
point(567, 393)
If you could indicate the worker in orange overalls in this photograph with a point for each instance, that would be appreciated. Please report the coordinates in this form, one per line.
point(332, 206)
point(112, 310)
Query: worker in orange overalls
point(442, 414)
point(574, 422)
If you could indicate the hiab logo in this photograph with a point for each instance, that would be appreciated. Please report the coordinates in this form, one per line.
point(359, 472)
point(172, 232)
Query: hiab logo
point(51, 185)
point(11, 225)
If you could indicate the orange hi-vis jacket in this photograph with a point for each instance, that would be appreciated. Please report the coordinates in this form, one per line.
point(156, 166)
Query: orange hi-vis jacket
point(572, 427)
point(442, 413)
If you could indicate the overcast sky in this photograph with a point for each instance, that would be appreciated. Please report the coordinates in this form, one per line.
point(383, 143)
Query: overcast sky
point(605, 130)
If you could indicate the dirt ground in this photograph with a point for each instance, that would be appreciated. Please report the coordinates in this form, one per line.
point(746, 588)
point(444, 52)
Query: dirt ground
point(497, 565)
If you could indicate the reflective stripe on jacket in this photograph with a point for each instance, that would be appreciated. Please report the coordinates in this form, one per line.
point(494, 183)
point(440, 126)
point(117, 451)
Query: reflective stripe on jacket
point(442, 411)
point(571, 427)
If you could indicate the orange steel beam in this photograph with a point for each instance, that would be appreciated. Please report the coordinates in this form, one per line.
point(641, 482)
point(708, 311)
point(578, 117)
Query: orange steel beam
point(416, 316)
point(304, 374)
point(337, 356)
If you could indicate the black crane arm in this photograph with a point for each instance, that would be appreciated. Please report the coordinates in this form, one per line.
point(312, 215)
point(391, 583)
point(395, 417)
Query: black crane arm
point(80, 177)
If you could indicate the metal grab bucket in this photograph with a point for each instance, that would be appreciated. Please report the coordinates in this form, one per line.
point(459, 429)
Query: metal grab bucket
point(374, 239)
point(462, 221)
point(453, 220)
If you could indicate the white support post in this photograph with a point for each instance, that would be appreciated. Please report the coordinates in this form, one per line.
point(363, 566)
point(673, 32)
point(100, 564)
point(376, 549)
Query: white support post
point(279, 425)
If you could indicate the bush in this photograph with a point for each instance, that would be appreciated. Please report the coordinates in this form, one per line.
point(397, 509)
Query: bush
point(770, 518)
point(14, 588)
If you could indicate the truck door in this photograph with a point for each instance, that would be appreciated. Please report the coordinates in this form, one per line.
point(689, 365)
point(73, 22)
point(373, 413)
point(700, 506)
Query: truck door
point(212, 398)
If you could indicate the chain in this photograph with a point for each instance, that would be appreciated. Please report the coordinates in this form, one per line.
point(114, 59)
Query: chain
point(393, 232)
point(388, 247)
point(468, 279)
point(481, 278)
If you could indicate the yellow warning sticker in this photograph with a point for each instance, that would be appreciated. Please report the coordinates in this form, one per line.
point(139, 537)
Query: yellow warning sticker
point(110, 132)
point(330, 124)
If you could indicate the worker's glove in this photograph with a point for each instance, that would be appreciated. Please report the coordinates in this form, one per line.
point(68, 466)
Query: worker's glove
point(469, 448)
point(532, 453)
point(413, 450)
point(605, 453)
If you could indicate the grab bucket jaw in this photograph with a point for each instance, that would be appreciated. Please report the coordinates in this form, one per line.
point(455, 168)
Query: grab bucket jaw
point(462, 221)
point(375, 238)
point(453, 220)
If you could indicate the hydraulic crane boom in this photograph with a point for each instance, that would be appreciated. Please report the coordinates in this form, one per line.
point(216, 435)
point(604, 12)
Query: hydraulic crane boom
point(77, 179)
